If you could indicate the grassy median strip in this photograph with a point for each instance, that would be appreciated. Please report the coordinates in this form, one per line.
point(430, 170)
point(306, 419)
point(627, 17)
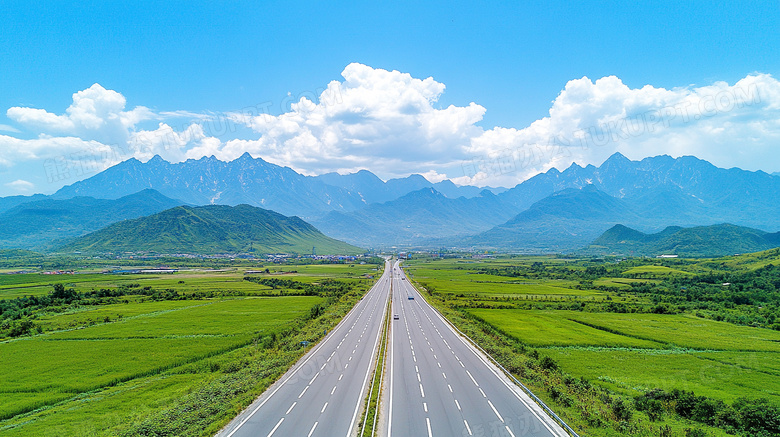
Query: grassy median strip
point(370, 410)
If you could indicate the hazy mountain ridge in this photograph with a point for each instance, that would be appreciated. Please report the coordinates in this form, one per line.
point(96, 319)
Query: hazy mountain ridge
point(40, 224)
point(567, 219)
point(9, 202)
point(416, 218)
point(211, 229)
point(211, 181)
point(374, 190)
point(707, 241)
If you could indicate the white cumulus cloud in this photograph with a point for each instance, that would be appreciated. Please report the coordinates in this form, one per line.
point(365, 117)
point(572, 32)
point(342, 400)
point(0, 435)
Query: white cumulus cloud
point(374, 118)
point(392, 123)
point(95, 114)
point(730, 125)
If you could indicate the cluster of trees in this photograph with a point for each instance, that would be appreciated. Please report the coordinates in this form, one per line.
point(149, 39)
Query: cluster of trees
point(744, 297)
point(328, 288)
point(539, 270)
point(754, 417)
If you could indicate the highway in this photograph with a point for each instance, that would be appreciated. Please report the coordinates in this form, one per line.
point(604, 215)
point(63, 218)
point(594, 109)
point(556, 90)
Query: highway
point(322, 394)
point(437, 383)
point(440, 385)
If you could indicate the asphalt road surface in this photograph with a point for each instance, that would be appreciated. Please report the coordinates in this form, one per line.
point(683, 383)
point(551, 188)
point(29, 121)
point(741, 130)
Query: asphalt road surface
point(322, 394)
point(440, 385)
point(437, 384)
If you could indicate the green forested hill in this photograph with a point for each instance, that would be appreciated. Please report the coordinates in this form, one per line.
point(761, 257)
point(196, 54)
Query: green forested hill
point(208, 230)
point(715, 240)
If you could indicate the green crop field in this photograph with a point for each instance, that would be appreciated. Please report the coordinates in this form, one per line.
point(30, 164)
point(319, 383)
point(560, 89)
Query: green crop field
point(183, 281)
point(542, 329)
point(628, 327)
point(636, 371)
point(655, 271)
point(64, 364)
point(643, 351)
point(104, 366)
point(467, 282)
point(621, 283)
point(683, 331)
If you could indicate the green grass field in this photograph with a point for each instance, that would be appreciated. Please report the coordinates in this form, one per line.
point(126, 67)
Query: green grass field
point(240, 318)
point(183, 281)
point(655, 271)
point(636, 352)
point(683, 331)
point(621, 283)
point(100, 356)
point(634, 372)
point(101, 369)
point(467, 282)
point(546, 328)
point(640, 333)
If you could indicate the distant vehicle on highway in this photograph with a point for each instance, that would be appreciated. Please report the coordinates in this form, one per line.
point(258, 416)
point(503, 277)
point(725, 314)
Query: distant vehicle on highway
point(403, 279)
point(395, 316)
point(411, 297)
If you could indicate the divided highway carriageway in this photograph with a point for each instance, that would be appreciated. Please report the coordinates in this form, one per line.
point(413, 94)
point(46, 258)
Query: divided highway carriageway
point(436, 382)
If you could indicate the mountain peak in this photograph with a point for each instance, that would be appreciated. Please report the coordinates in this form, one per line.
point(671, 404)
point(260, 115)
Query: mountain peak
point(589, 188)
point(157, 160)
point(244, 157)
point(130, 162)
point(426, 194)
point(616, 158)
point(417, 178)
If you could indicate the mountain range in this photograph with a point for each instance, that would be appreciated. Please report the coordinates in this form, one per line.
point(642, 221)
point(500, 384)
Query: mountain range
point(700, 241)
point(251, 181)
point(568, 209)
point(373, 190)
point(563, 211)
point(552, 211)
point(210, 229)
point(416, 218)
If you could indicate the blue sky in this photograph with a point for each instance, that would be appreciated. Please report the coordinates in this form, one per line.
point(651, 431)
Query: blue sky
point(511, 59)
